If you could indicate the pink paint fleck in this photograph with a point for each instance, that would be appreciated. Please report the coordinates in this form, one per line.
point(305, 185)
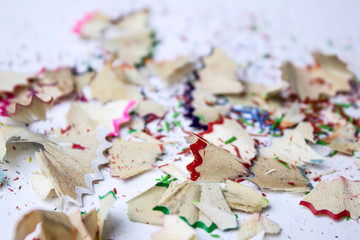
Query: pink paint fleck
point(80, 23)
point(125, 118)
point(3, 111)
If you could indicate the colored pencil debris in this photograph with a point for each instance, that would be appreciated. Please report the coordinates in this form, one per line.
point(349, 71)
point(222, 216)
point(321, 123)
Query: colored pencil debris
point(253, 137)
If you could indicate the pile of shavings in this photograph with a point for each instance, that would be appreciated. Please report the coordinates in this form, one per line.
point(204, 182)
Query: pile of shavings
point(69, 163)
point(128, 36)
point(225, 131)
point(73, 225)
point(190, 204)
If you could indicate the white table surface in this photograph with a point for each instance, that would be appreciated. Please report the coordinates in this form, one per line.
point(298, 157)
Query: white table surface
point(36, 34)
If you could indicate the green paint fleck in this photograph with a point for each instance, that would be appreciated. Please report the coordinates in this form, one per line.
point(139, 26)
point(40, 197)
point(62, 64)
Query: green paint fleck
point(150, 52)
point(230, 140)
point(245, 122)
point(356, 128)
point(180, 104)
point(338, 112)
point(215, 235)
point(176, 114)
point(343, 105)
point(356, 79)
point(326, 127)
point(332, 154)
point(277, 122)
point(321, 143)
point(132, 130)
point(321, 133)
point(266, 55)
point(330, 43)
point(177, 123)
point(351, 120)
point(201, 118)
point(266, 200)
point(162, 209)
point(201, 225)
point(293, 38)
point(167, 126)
point(283, 163)
point(165, 181)
point(347, 47)
point(110, 192)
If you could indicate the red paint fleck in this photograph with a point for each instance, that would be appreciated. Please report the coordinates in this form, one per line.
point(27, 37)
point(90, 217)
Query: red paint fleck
point(195, 148)
point(163, 165)
point(209, 103)
point(147, 131)
point(318, 81)
point(334, 216)
point(65, 130)
point(185, 152)
point(77, 146)
point(211, 126)
point(236, 149)
point(151, 118)
point(160, 137)
point(317, 179)
point(240, 180)
point(161, 146)
point(81, 98)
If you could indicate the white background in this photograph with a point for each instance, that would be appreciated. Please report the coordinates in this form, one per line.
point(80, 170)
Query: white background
point(36, 34)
